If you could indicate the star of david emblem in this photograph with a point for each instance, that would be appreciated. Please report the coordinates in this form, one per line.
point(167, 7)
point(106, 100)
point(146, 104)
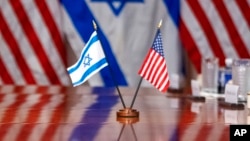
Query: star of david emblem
point(87, 60)
point(118, 5)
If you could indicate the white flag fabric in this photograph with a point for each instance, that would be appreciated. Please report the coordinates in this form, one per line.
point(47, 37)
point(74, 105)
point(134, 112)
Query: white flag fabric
point(91, 61)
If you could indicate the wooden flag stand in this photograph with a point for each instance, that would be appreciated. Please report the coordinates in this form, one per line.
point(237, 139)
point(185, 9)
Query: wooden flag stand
point(127, 113)
point(127, 118)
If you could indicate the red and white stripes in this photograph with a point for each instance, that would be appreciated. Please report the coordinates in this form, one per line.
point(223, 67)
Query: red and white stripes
point(32, 50)
point(24, 115)
point(215, 28)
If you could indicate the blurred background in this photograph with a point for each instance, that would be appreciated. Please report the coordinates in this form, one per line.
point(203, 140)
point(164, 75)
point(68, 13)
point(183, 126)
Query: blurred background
point(39, 39)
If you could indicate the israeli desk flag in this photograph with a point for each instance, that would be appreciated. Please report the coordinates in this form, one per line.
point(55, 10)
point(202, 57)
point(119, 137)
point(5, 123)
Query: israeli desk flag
point(91, 61)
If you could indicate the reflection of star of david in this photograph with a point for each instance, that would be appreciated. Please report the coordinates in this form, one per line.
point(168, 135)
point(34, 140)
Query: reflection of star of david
point(87, 60)
point(117, 5)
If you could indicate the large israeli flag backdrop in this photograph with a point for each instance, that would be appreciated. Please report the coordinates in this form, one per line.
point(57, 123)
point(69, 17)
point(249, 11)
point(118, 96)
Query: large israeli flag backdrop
point(126, 30)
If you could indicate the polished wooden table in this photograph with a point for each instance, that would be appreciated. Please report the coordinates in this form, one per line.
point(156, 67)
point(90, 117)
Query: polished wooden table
point(55, 113)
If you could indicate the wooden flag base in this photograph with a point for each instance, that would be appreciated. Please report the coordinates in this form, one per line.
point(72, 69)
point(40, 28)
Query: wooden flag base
point(127, 120)
point(128, 113)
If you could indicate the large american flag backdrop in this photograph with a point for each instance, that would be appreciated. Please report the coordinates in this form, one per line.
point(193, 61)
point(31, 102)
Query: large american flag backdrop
point(32, 48)
point(219, 28)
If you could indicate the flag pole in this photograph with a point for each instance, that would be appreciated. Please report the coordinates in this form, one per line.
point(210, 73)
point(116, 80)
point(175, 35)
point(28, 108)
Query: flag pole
point(118, 90)
point(139, 84)
point(136, 92)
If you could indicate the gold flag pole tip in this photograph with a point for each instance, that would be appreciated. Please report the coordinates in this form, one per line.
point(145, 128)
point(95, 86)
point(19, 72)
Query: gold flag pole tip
point(94, 25)
point(160, 23)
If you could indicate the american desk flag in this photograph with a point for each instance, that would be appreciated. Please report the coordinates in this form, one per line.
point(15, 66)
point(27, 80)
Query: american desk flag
point(154, 68)
point(91, 61)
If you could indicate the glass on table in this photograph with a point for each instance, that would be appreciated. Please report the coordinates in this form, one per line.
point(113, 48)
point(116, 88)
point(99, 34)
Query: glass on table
point(210, 69)
point(240, 77)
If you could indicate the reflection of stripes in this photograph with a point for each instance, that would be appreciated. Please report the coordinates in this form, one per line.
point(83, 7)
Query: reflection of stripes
point(196, 125)
point(22, 113)
point(32, 115)
point(83, 24)
point(31, 89)
point(10, 113)
point(91, 125)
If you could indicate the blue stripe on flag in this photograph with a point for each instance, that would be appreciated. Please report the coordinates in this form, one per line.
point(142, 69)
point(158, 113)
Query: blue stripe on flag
point(173, 7)
point(91, 70)
point(92, 41)
point(82, 17)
